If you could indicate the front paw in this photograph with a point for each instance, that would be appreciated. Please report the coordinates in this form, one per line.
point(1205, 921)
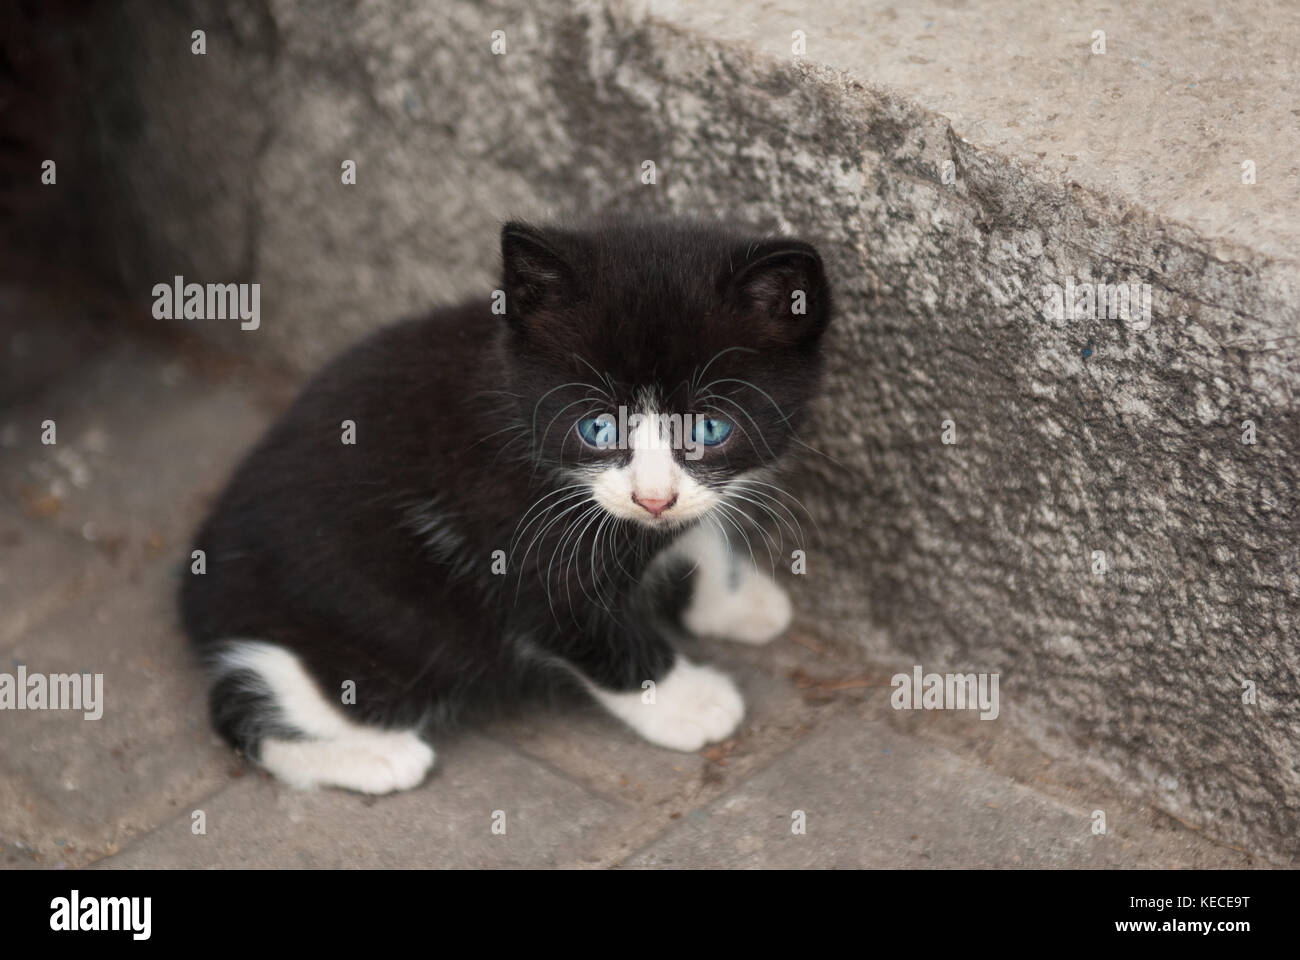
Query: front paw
point(687, 708)
point(756, 612)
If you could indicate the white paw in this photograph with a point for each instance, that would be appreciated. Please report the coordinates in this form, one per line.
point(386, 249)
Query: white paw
point(378, 761)
point(395, 761)
point(757, 611)
point(689, 707)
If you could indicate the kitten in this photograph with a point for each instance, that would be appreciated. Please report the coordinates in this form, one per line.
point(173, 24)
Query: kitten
point(542, 493)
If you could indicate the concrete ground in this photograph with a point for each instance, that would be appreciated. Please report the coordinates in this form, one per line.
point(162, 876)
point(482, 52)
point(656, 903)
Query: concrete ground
point(93, 536)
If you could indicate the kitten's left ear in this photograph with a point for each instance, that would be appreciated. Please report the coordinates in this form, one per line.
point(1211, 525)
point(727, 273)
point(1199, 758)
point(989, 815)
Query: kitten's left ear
point(781, 286)
point(536, 269)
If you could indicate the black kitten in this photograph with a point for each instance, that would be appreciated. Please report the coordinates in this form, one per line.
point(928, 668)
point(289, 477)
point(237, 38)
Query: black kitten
point(498, 490)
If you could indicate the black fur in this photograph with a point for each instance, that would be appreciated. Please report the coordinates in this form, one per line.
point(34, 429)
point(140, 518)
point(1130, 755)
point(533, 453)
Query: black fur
point(373, 562)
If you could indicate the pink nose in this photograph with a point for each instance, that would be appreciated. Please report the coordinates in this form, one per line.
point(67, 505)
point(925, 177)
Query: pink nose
point(656, 505)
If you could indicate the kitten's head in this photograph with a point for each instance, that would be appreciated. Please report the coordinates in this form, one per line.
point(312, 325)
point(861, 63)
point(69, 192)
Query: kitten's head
point(661, 364)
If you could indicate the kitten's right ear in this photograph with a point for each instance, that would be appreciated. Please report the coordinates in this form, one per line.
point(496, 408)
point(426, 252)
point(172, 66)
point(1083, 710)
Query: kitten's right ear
point(780, 286)
point(535, 273)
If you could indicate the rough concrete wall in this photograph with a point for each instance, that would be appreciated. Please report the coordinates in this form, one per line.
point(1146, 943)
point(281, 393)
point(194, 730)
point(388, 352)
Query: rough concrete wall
point(1072, 436)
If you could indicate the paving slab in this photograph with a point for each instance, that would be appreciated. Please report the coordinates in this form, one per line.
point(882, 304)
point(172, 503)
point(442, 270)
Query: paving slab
point(449, 822)
point(74, 789)
point(873, 797)
point(43, 569)
point(142, 441)
point(575, 736)
point(93, 533)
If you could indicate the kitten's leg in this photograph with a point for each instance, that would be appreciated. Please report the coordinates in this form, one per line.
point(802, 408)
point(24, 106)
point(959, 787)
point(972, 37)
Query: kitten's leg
point(686, 708)
point(265, 701)
point(730, 597)
point(634, 673)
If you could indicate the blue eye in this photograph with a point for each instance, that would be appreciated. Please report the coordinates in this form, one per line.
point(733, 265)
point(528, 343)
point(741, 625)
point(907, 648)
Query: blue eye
point(711, 432)
point(601, 431)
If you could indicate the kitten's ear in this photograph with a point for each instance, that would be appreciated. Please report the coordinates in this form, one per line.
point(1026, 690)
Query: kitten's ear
point(535, 272)
point(781, 286)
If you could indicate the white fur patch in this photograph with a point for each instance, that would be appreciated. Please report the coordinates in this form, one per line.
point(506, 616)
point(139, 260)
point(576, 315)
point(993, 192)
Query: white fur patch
point(730, 599)
point(373, 761)
point(691, 706)
point(652, 474)
point(338, 751)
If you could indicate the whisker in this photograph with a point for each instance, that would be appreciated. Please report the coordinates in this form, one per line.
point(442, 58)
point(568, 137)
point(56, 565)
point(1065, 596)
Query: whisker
point(602, 377)
point(784, 417)
point(741, 407)
point(767, 510)
point(700, 373)
point(750, 546)
point(541, 533)
point(537, 447)
point(516, 533)
point(538, 404)
point(767, 537)
point(769, 502)
point(785, 493)
point(590, 515)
